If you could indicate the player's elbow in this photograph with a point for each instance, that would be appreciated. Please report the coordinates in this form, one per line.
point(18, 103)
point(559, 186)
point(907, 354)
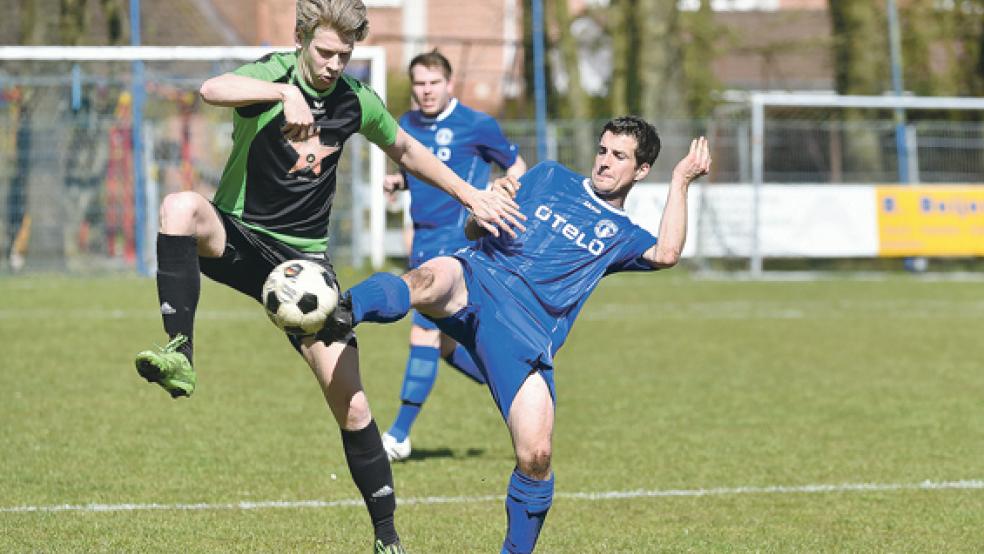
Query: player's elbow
point(207, 91)
point(666, 257)
point(215, 91)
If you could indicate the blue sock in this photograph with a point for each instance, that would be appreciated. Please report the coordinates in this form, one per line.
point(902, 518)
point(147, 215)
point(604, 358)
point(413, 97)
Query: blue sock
point(404, 420)
point(461, 360)
point(418, 380)
point(382, 298)
point(527, 504)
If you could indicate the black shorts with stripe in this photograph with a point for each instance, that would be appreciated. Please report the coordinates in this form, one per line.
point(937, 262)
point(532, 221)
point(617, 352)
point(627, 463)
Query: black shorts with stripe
point(249, 257)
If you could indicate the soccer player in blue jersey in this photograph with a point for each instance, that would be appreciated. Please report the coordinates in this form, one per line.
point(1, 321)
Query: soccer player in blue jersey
point(467, 141)
point(511, 301)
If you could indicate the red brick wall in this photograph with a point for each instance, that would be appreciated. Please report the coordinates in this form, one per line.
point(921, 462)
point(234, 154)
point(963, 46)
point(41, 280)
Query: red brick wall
point(470, 35)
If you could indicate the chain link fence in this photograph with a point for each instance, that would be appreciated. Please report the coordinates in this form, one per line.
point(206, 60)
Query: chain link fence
point(66, 159)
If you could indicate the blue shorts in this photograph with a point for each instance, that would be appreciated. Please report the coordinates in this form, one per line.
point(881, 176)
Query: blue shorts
point(506, 343)
point(431, 242)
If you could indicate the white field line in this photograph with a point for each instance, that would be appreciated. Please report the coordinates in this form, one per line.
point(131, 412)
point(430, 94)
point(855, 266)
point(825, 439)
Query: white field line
point(974, 484)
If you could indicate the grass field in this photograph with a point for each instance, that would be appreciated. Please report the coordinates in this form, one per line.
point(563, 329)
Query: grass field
point(693, 416)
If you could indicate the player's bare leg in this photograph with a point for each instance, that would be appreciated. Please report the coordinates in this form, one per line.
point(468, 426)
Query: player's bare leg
point(336, 366)
point(530, 495)
point(189, 228)
point(437, 288)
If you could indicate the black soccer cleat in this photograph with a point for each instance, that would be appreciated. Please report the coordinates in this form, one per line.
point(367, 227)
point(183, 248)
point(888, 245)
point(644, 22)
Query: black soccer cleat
point(340, 321)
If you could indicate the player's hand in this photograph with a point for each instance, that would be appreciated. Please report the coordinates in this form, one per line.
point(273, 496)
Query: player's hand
point(695, 164)
point(507, 186)
point(494, 211)
point(299, 124)
point(393, 184)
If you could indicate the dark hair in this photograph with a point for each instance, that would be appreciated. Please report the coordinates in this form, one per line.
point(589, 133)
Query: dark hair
point(431, 60)
point(647, 139)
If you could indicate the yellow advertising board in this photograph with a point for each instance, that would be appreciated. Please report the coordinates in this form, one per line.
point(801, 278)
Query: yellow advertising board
point(944, 220)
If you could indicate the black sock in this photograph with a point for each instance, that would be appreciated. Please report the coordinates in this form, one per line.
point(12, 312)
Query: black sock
point(372, 475)
point(178, 285)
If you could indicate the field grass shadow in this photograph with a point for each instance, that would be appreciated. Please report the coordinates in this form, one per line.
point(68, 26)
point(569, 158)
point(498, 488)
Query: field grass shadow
point(421, 454)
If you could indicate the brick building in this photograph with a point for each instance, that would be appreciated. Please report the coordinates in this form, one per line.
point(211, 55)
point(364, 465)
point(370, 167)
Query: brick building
point(774, 43)
point(767, 44)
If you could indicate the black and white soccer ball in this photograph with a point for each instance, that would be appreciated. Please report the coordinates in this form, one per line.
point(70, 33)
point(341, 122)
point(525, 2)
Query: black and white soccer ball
point(298, 296)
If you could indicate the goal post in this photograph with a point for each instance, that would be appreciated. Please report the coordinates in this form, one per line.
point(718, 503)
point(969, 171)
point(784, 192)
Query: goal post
point(24, 66)
point(759, 105)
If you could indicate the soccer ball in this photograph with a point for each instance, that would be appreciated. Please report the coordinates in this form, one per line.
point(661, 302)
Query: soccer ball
point(298, 296)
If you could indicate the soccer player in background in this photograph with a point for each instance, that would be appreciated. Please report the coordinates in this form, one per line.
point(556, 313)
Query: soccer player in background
point(467, 141)
point(292, 115)
point(511, 301)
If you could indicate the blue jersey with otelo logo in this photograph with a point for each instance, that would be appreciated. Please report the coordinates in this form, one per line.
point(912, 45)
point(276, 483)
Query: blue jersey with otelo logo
point(573, 238)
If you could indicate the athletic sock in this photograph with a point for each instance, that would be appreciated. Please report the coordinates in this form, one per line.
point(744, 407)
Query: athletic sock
point(418, 380)
point(373, 477)
point(405, 417)
point(382, 298)
point(178, 285)
point(527, 504)
point(460, 359)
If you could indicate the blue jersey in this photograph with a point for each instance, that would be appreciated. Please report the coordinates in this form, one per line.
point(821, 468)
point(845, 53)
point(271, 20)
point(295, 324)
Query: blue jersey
point(467, 141)
point(573, 238)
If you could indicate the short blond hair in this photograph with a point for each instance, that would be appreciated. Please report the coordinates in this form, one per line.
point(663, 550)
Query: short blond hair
point(348, 18)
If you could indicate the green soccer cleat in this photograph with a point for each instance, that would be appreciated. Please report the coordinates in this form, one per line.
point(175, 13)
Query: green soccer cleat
point(168, 368)
point(395, 548)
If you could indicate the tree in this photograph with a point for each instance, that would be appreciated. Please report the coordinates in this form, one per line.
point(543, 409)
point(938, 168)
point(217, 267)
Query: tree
point(577, 105)
point(699, 50)
point(72, 22)
point(622, 32)
point(657, 23)
point(860, 44)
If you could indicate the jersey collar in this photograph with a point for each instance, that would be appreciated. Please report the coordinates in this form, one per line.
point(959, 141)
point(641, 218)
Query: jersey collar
point(587, 188)
point(299, 80)
point(441, 116)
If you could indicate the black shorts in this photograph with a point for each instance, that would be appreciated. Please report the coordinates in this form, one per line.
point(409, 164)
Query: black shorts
point(249, 257)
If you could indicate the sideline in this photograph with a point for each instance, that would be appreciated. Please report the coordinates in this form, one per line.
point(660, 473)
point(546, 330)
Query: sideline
point(927, 485)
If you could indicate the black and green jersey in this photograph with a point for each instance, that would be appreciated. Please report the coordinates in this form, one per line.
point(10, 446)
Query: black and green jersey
point(284, 189)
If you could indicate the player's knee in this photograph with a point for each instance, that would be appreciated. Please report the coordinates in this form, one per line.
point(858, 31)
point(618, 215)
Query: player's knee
point(352, 412)
point(535, 461)
point(421, 282)
point(178, 210)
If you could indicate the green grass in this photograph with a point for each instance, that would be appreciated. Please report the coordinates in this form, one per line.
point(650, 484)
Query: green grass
point(667, 383)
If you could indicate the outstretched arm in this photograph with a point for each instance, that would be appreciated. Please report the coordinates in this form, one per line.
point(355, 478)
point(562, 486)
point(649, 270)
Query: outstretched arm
point(673, 225)
point(492, 211)
point(233, 91)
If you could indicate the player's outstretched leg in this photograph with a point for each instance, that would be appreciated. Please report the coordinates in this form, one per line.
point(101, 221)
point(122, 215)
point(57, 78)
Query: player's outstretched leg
point(178, 289)
point(436, 288)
